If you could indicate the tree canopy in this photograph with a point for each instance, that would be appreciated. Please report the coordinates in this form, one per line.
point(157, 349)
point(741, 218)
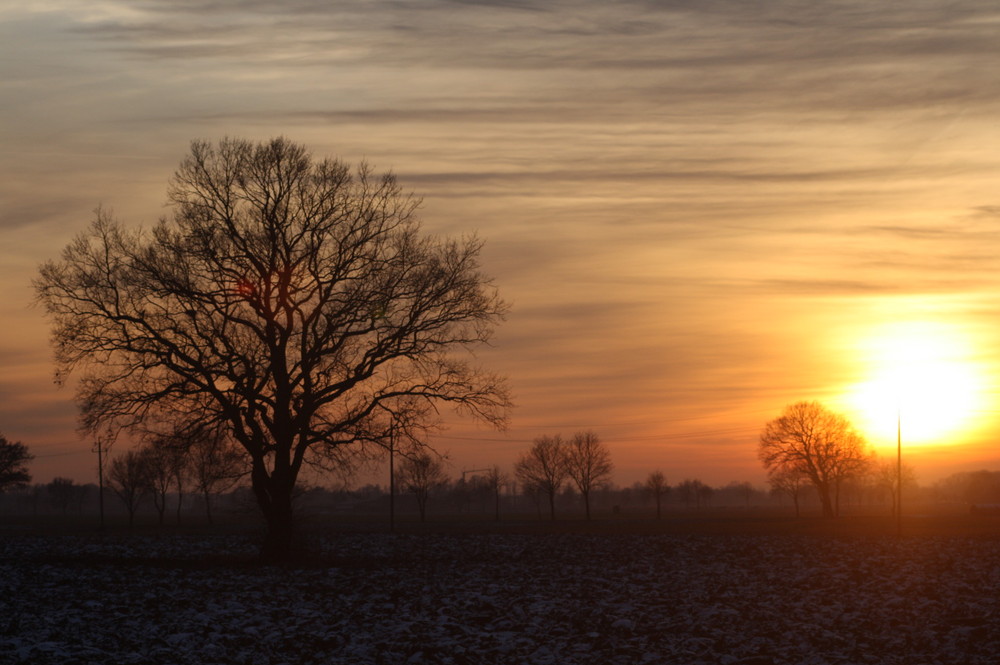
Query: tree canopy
point(14, 458)
point(293, 302)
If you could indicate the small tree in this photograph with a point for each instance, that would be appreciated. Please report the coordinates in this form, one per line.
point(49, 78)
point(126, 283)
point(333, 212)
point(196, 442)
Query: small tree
point(14, 458)
point(127, 478)
point(588, 463)
point(694, 490)
point(216, 465)
point(743, 490)
point(543, 468)
point(421, 473)
point(790, 482)
point(656, 484)
point(160, 462)
point(886, 473)
point(63, 492)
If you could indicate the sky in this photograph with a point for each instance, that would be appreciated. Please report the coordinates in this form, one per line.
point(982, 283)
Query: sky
point(700, 211)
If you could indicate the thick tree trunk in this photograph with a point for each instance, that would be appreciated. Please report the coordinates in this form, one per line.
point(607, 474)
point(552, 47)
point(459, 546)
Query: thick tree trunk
point(275, 501)
point(824, 496)
point(278, 544)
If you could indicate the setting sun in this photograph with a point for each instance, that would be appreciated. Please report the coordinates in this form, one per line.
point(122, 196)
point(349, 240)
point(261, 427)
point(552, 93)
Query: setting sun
point(924, 373)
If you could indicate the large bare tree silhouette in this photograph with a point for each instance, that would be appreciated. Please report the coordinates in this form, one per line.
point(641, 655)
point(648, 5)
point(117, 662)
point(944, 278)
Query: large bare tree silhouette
point(291, 301)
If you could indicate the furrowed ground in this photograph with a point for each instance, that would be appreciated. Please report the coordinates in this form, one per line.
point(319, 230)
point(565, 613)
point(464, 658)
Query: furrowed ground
point(700, 592)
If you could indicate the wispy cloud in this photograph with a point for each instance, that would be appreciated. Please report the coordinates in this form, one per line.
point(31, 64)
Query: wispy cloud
point(682, 199)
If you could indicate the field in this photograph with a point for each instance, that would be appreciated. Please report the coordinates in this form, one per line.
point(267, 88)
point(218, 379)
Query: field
point(724, 590)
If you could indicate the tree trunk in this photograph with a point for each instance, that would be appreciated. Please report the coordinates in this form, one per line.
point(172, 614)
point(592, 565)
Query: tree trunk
point(586, 504)
point(826, 500)
point(275, 501)
point(552, 506)
point(422, 506)
point(208, 506)
point(278, 541)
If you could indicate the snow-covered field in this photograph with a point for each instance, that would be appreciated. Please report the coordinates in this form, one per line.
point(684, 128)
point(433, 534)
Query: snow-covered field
point(502, 599)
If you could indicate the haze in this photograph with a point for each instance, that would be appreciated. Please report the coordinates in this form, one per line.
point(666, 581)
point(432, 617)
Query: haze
point(701, 212)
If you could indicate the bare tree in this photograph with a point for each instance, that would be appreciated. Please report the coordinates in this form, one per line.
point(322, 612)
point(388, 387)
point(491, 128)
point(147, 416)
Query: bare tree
point(656, 484)
point(64, 492)
point(169, 462)
point(820, 444)
point(543, 468)
point(496, 479)
point(789, 481)
point(127, 479)
point(742, 489)
point(421, 473)
point(289, 300)
point(158, 461)
point(14, 458)
point(886, 475)
point(588, 463)
point(216, 465)
point(693, 490)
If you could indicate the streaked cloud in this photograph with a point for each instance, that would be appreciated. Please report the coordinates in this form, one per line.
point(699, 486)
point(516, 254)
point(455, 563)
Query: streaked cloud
point(685, 201)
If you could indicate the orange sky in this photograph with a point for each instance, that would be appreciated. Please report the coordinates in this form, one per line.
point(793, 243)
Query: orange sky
point(701, 212)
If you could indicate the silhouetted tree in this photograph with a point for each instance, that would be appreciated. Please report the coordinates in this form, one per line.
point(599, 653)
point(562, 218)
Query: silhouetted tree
point(160, 462)
point(789, 481)
point(215, 466)
point(288, 300)
point(588, 464)
point(971, 486)
point(420, 474)
point(543, 468)
point(64, 492)
point(127, 479)
point(694, 490)
point(820, 444)
point(14, 458)
point(886, 474)
point(656, 484)
point(743, 490)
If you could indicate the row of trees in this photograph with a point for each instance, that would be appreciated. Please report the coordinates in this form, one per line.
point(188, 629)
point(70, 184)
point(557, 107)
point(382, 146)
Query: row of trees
point(207, 465)
point(551, 461)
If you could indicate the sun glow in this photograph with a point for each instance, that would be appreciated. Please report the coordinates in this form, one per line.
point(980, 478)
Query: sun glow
point(923, 374)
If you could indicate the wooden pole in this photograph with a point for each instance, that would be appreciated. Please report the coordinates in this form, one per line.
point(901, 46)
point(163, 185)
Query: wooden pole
point(899, 474)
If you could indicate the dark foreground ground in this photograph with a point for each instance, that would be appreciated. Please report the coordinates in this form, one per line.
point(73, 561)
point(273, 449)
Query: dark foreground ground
point(630, 598)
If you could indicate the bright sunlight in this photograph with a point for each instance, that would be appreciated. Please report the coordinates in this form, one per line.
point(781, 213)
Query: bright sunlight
point(924, 372)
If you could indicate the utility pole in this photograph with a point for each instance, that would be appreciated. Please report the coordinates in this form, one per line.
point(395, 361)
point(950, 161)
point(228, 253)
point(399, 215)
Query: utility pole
point(899, 474)
point(100, 478)
point(392, 478)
